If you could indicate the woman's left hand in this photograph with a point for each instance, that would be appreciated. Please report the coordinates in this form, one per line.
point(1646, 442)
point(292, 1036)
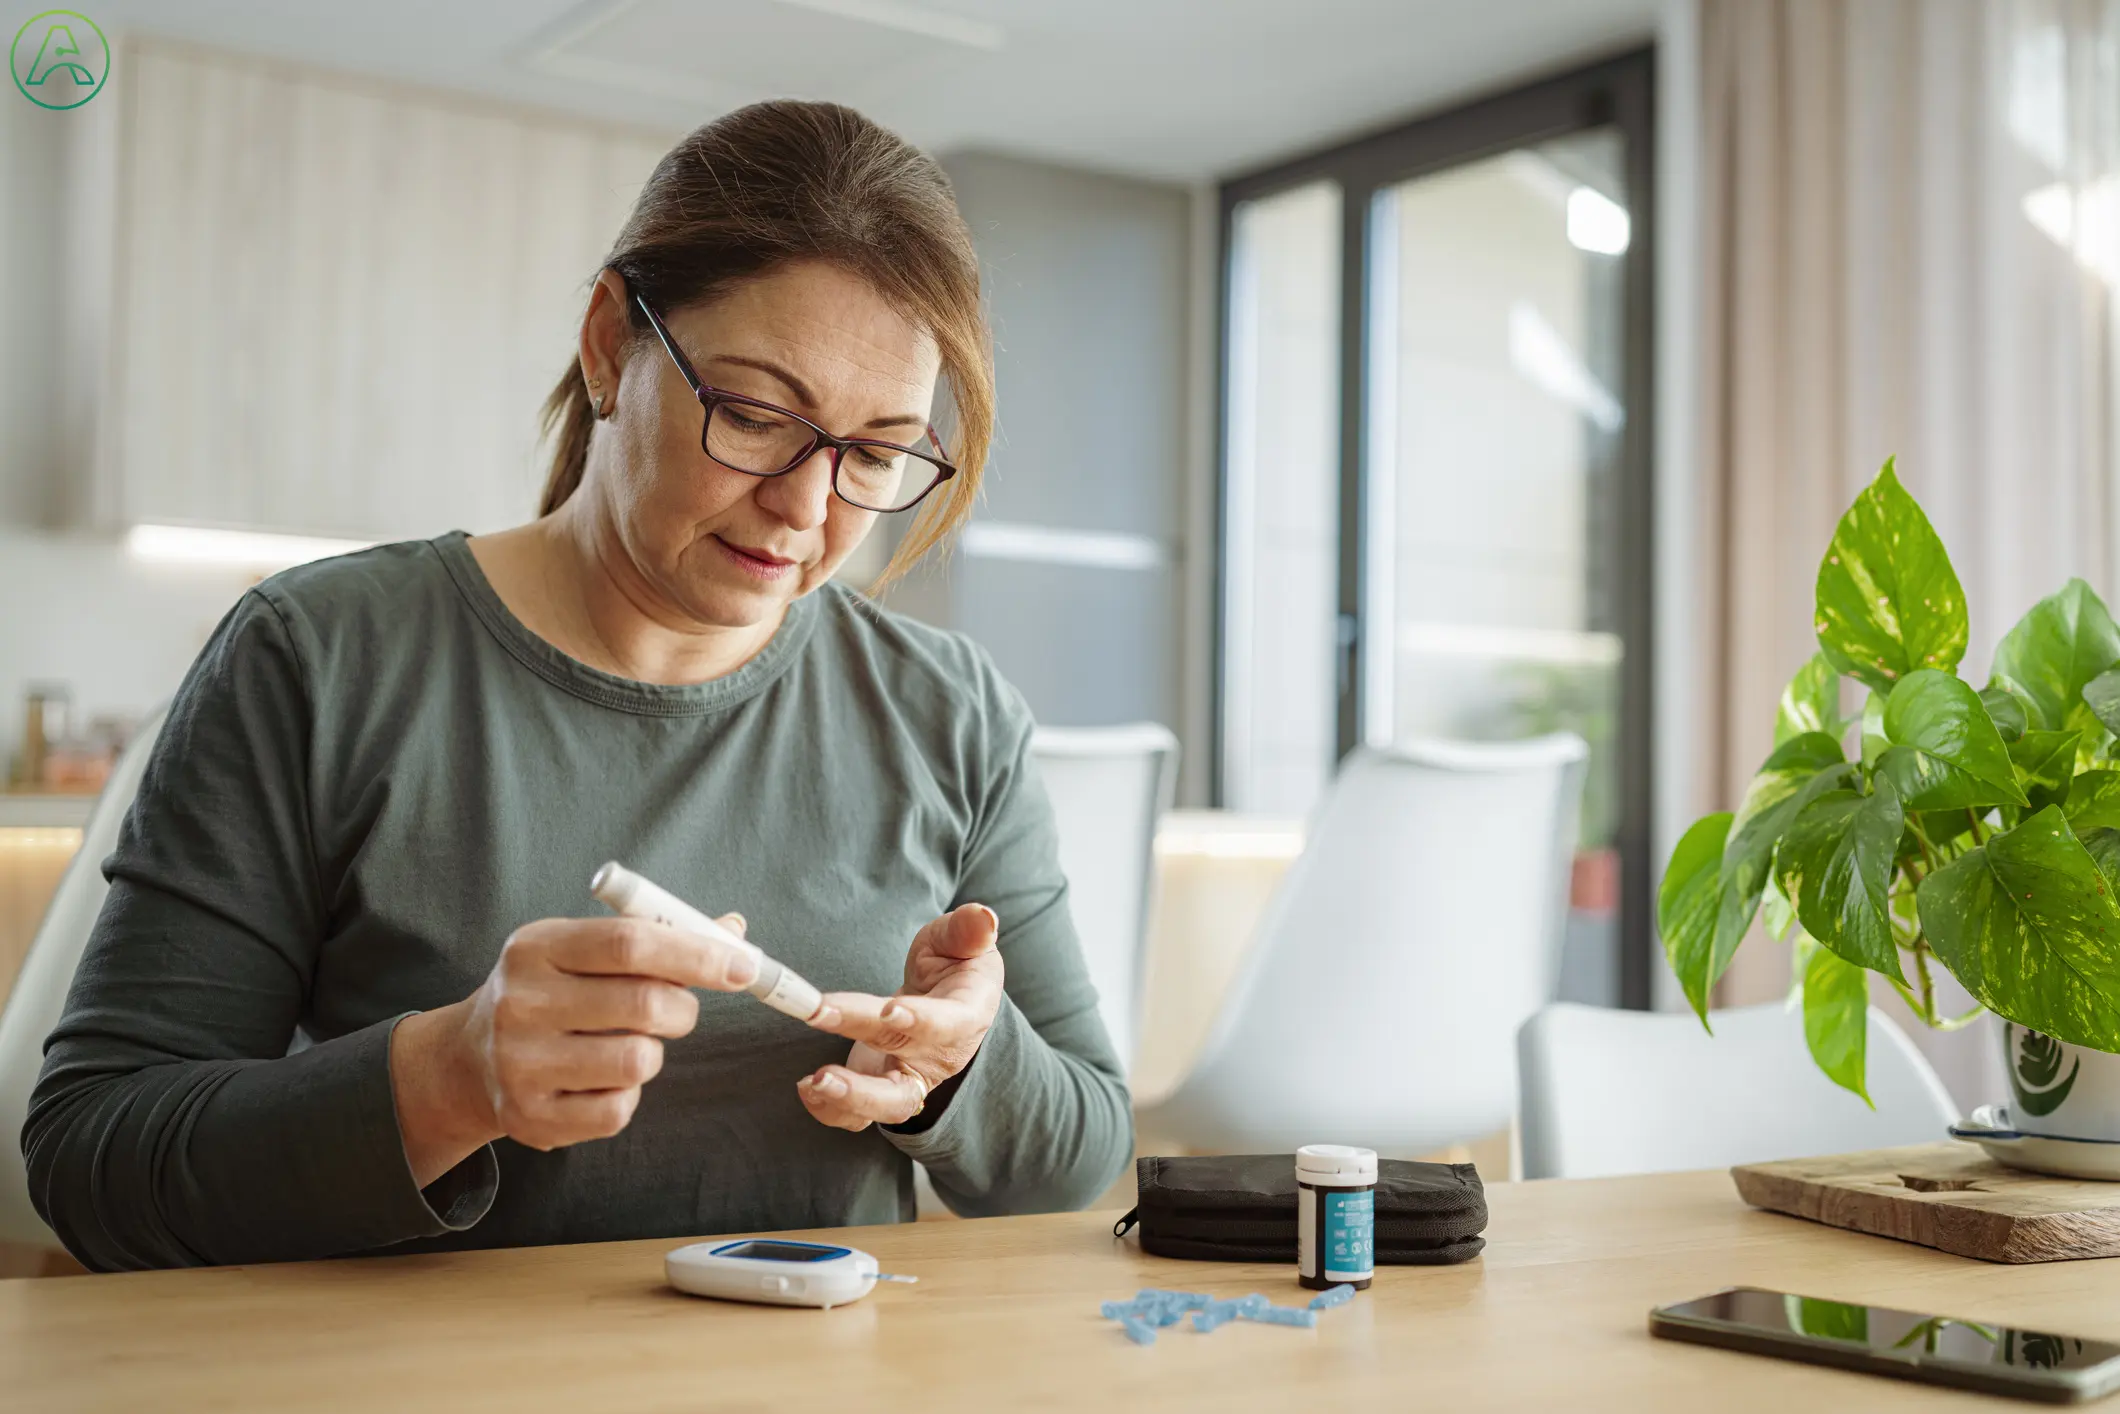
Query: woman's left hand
point(907, 1044)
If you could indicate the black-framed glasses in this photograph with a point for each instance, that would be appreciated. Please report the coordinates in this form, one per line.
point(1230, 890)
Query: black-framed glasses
point(762, 439)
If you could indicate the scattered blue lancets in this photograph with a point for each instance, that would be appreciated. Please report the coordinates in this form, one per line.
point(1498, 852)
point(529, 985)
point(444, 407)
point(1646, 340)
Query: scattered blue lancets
point(1332, 1296)
point(1153, 1309)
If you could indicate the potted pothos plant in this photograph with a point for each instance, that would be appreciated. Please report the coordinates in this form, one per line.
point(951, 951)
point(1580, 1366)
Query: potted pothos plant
point(1944, 827)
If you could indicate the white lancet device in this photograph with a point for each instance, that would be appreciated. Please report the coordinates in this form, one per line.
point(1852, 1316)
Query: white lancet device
point(781, 988)
point(775, 1272)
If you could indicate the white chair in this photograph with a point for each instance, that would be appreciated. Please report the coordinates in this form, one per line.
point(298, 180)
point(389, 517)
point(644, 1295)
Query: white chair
point(1109, 786)
point(39, 994)
point(1610, 1092)
point(1420, 926)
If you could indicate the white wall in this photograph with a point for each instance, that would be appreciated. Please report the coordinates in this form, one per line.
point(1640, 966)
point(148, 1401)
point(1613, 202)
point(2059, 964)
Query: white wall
point(500, 206)
point(73, 608)
point(32, 177)
point(78, 610)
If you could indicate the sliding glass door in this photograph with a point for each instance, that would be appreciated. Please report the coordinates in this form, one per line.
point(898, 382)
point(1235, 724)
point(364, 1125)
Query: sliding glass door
point(1467, 439)
point(1281, 510)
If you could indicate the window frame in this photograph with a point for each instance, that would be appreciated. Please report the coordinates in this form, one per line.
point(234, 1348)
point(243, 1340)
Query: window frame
point(1617, 92)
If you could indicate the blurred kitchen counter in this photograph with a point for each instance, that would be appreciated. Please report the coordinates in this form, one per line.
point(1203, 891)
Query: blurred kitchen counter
point(1215, 873)
point(39, 835)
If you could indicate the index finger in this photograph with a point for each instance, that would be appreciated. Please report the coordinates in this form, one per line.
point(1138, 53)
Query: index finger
point(637, 947)
point(891, 1024)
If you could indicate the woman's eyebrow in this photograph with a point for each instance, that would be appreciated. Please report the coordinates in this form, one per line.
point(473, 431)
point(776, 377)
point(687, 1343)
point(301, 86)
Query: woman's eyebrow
point(805, 398)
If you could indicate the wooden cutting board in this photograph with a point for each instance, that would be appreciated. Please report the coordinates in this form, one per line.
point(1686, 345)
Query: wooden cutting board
point(1949, 1196)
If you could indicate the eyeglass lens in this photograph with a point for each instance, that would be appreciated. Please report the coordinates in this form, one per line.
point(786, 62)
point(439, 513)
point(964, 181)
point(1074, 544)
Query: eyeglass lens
point(761, 442)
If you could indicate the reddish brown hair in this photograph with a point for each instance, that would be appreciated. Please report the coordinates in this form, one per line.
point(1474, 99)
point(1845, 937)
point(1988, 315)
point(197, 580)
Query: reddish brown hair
point(785, 181)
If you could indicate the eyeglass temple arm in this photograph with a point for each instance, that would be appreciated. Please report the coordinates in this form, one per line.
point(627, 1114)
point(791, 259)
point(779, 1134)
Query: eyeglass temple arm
point(684, 365)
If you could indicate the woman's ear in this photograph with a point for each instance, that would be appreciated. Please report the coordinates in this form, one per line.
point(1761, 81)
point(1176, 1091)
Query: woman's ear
point(605, 329)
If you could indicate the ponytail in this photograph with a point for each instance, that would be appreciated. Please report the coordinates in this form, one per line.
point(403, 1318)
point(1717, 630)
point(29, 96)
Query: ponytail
point(567, 421)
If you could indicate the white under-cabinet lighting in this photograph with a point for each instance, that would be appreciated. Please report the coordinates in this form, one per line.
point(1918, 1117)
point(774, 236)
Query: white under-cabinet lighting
point(232, 549)
point(1597, 223)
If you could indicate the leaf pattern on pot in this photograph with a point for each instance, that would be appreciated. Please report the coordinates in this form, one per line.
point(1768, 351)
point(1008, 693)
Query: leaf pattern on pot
point(2038, 1065)
point(2037, 1349)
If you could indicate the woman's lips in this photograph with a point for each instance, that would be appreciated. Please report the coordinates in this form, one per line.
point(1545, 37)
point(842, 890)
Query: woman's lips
point(755, 563)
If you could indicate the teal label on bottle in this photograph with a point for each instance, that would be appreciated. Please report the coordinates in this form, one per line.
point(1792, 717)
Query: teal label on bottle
point(1350, 1232)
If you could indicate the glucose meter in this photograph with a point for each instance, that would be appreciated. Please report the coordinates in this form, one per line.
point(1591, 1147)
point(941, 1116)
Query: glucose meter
point(775, 1272)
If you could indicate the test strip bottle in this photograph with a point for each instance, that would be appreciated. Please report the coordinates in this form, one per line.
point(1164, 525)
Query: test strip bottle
point(1336, 1189)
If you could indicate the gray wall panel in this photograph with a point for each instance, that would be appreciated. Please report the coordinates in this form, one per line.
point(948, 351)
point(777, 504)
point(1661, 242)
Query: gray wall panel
point(1087, 279)
point(1074, 639)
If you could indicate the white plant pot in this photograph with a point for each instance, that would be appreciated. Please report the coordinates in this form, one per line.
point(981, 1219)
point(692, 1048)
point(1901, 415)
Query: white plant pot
point(2060, 1091)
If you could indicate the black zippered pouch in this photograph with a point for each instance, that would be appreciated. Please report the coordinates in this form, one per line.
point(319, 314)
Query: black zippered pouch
point(1242, 1208)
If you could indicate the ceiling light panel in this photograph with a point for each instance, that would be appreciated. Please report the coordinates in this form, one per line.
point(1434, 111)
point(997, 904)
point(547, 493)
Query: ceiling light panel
point(734, 51)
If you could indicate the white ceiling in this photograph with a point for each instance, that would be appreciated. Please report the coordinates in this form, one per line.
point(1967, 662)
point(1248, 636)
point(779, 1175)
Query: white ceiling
point(1179, 89)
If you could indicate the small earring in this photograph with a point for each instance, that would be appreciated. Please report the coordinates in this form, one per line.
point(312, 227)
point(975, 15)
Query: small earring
point(596, 394)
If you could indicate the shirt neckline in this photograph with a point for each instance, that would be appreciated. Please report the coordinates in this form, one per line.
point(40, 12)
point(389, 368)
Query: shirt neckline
point(577, 678)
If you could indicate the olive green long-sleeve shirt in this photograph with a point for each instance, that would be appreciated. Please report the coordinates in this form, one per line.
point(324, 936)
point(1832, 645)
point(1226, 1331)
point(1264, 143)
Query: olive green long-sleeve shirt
point(374, 773)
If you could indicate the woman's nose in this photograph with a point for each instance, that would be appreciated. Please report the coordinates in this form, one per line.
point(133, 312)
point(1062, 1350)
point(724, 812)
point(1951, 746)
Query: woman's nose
point(802, 497)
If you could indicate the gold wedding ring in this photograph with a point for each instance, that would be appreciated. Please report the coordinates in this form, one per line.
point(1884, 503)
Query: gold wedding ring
point(921, 1081)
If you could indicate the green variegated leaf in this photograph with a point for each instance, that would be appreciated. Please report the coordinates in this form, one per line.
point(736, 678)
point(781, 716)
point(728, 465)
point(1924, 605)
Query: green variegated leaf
point(1799, 769)
point(2055, 651)
point(1835, 864)
point(1810, 703)
point(2103, 846)
point(1776, 914)
point(1963, 760)
point(1801, 946)
point(1835, 1320)
point(2102, 695)
point(2028, 925)
point(2006, 710)
point(1687, 904)
point(1888, 602)
point(2093, 801)
point(1874, 743)
point(2045, 762)
point(1942, 826)
point(1836, 1018)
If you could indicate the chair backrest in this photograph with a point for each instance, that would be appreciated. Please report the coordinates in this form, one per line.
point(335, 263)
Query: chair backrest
point(1608, 1092)
point(1109, 786)
point(39, 993)
point(1420, 926)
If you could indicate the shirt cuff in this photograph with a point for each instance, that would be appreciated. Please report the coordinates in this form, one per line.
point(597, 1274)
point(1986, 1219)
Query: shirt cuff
point(374, 1172)
point(1000, 1053)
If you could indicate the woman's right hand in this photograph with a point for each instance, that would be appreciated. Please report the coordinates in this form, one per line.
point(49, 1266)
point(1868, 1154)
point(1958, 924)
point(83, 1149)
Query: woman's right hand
point(554, 1047)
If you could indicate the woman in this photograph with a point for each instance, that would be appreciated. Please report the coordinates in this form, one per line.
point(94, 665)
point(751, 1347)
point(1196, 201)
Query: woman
point(370, 822)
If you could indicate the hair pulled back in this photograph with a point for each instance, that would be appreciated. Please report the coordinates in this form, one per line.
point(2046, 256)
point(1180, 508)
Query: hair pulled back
point(785, 181)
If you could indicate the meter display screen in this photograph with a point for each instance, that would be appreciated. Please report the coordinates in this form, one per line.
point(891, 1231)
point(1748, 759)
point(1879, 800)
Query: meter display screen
point(766, 1251)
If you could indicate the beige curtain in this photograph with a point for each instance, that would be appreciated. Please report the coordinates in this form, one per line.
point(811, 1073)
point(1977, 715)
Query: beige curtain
point(1911, 246)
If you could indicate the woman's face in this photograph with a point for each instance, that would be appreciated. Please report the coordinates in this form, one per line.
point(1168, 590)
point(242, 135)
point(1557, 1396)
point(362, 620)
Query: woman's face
point(719, 546)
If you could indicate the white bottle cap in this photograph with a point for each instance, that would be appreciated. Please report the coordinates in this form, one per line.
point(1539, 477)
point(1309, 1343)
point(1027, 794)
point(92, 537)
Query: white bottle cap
point(1336, 1165)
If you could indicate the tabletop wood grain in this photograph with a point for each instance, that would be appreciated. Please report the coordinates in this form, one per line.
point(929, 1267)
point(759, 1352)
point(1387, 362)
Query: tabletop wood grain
point(1005, 1318)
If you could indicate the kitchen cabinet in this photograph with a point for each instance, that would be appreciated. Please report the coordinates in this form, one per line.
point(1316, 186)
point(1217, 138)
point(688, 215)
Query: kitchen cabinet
point(336, 307)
